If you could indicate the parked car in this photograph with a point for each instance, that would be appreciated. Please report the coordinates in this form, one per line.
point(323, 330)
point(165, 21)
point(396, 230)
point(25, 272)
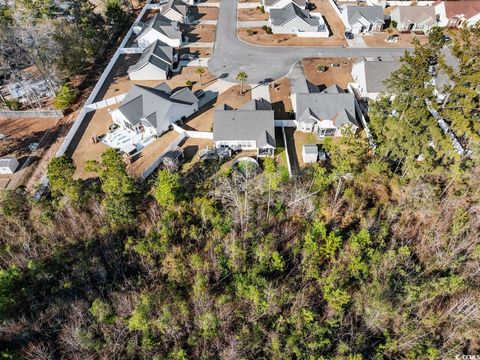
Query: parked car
point(446, 38)
point(349, 35)
point(199, 93)
point(392, 39)
point(188, 57)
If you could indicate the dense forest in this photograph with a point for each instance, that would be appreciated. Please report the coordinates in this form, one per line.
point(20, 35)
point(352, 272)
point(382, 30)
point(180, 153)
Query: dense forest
point(372, 255)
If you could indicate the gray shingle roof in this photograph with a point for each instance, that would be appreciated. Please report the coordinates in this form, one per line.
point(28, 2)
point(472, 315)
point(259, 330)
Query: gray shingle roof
point(301, 3)
point(442, 79)
point(376, 72)
point(372, 13)
point(257, 104)
point(278, 17)
point(244, 125)
point(177, 5)
point(336, 106)
point(163, 25)
point(416, 14)
point(158, 54)
point(152, 103)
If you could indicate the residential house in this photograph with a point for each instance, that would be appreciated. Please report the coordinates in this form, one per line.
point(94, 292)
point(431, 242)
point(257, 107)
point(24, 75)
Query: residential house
point(369, 75)
point(176, 10)
point(326, 113)
point(251, 127)
point(159, 28)
point(291, 19)
point(363, 19)
point(156, 63)
point(414, 18)
point(8, 165)
point(152, 110)
point(456, 13)
point(278, 4)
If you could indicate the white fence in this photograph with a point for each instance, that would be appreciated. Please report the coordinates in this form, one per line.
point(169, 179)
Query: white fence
point(104, 103)
point(132, 50)
point(157, 162)
point(55, 114)
point(81, 117)
point(289, 167)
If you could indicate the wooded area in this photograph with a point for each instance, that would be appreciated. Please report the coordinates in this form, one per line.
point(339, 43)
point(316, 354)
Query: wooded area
point(374, 255)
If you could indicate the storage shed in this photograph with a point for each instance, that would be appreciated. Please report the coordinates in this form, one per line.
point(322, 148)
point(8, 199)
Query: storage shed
point(310, 154)
point(8, 165)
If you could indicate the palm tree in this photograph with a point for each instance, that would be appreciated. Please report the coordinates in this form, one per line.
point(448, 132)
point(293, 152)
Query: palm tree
point(200, 71)
point(242, 76)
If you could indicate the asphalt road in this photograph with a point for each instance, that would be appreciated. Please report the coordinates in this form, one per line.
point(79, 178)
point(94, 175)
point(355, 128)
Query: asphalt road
point(231, 55)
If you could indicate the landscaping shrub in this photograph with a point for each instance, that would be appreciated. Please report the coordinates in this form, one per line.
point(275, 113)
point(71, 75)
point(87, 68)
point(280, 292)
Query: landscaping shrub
point(13, 104)
point(64, 97)
point(322, 68)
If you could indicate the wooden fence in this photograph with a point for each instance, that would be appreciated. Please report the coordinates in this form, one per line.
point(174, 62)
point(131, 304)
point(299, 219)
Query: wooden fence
point(55, 114)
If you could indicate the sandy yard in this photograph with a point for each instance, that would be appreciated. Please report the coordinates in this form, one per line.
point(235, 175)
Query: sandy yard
point(260, 37)
point(252, 14)
point(280, 98)
point(333, 75)
point(300, 139)
point(334, 23)
point(205, 13)
point(151, 153)
point(191, 147)
point(203, 121)
point(201, 33)
point(405, 41)
point(199, 51)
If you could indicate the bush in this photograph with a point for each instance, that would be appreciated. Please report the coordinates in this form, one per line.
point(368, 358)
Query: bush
point(64, 97)
point(322, 68)
point(264, 27)
point(251, 32)
point(268, 30)
point(262, 9)
point(13, 104)
point(393, 24)
point(189, 83)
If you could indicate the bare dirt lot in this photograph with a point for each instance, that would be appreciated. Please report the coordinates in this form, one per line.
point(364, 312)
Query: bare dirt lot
point(205, 13)
point(280, 98)
point(334, 23)
point(340, 75)
point(48, 133)
point(260, 37)
point(199, 51)
point(201, 33)
point(252, 14)
point(405, 40)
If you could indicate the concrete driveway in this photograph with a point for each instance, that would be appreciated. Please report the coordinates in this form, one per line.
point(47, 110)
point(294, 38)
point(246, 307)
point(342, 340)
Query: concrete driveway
point(231, 55)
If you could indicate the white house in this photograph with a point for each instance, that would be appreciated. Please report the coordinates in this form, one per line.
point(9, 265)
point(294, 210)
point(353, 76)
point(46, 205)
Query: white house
point(291, 19)
point(162, 29)
point(278, 4)
point(8, 165)
point(414, 18)
point(456, 13)
point(310, 154)
point(176, 10)
point(369, 75)
point(251, 127)
point(326, 113)
point(156, 63)
point(152, 110)
point(363, 19)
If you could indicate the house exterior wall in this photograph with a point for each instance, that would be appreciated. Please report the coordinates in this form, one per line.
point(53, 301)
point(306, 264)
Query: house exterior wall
point(148, 72)
point(242, 144)
point(293, 26)
point(441, 14)
point(473, 20)
point(279, 5)
point(358, 75)
point(151, 36)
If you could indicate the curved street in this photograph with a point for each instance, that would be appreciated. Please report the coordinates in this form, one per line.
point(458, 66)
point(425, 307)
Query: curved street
point(232, 55)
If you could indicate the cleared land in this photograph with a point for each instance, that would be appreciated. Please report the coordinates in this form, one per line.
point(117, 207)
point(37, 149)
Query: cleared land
point(405, 41)
point(300, 139)
point(201, 33)
point(191, 147)
point(252, 14)
point(257, 36)
point(48, 133)
point(340, 75)
point(280, 98)
point(205, 13)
